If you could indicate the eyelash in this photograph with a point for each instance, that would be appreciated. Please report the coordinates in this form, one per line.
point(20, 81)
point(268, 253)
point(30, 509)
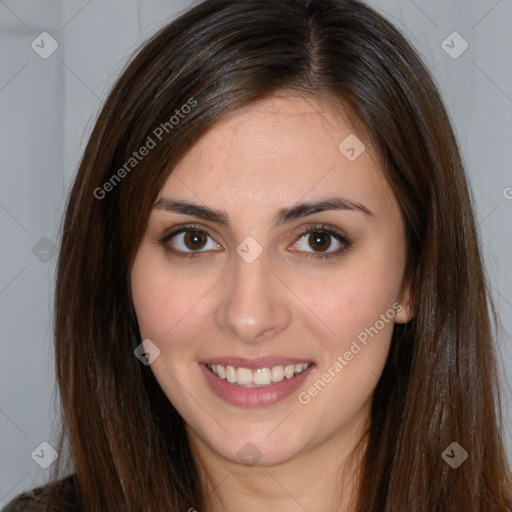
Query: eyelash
point(346, 244)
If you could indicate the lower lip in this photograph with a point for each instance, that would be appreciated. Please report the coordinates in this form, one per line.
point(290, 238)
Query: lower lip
point(253, 397)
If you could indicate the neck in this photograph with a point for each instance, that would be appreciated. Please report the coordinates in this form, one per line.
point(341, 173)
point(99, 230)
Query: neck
point(323, 477)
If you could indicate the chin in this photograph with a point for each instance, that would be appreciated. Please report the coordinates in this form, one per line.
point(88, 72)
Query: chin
point(255, 446)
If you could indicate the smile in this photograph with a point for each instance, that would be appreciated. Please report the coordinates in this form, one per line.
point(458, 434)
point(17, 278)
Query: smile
point(259, 377)
point(255, 383)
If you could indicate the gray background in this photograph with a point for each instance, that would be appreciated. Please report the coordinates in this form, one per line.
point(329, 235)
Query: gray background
point(47, 107)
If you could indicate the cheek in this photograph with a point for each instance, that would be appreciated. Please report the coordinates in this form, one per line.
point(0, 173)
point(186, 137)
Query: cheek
point(163, 304)
point(359, 306)
point(360, 314)
point(355, 299)
point(161, 299)
point(150, 300)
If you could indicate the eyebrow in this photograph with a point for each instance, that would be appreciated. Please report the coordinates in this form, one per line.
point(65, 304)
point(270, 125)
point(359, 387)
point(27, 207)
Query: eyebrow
point(283, 216)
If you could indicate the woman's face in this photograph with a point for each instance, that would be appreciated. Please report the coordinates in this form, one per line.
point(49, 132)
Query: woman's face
point(296, 304)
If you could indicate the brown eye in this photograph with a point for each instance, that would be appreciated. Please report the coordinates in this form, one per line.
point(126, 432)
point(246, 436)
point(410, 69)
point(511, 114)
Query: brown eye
point(319, 241)
point(194, 240)
point(189, 242)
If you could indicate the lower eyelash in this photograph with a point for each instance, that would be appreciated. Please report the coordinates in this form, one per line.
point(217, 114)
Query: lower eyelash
point(346, 244)
point(183, 229)
point(181, 254)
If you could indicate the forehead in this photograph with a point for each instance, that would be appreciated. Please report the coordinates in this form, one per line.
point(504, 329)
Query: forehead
point(276, 152)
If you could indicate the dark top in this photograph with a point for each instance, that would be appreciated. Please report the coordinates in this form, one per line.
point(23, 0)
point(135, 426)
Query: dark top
point(62, 494)
point(34, 500)
point(20, 503)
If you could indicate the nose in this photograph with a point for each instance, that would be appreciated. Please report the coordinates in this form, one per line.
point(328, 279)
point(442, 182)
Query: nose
point(253, 305)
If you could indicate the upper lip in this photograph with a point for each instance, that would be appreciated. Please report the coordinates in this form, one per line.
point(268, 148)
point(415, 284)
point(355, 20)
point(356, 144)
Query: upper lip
point(259, 362)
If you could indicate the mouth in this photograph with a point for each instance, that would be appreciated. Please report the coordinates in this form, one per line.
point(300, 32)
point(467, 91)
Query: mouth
point(257, 382)
point(259, 377)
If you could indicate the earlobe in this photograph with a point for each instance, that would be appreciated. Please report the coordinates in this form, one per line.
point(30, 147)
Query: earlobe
point(406, 312)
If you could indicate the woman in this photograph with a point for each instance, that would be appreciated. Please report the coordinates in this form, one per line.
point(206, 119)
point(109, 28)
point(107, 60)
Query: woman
point(270, 289)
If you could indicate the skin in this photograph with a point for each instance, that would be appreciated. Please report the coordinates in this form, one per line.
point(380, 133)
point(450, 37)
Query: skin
point(272, 155)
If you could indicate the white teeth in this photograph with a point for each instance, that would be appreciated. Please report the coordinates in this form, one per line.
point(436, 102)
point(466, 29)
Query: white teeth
point(244, 376)
point(262, 377)
point(257, 378)
point(299, 368)
point(230, 374)
point(289, 371)
point(277, 374)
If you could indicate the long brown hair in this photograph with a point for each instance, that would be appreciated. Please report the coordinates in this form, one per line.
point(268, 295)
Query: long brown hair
point(127, 444)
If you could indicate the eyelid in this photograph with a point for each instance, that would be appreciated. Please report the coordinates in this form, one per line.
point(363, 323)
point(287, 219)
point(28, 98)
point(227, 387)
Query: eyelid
point(340, 236)
point(333, 231)
point(194, 227)
point(180, 229)
point(321, 227)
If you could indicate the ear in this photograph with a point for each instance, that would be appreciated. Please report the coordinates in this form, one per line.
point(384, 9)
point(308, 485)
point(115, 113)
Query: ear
point(406, 311)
